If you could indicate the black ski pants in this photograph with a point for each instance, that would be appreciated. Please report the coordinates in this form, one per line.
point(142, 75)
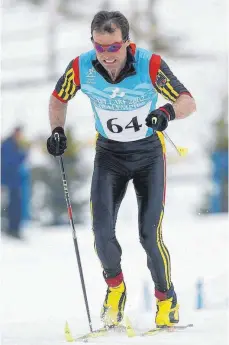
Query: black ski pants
point(116, 163)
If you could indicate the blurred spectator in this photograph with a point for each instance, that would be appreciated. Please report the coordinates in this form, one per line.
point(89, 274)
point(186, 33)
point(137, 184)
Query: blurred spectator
point(14, 151)
point(217, 200)
point(219, 157)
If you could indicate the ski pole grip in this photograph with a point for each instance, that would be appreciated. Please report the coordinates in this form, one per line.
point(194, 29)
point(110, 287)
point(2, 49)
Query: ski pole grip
point(57, 138)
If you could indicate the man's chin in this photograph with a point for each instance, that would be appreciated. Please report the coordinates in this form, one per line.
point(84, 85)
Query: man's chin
point(111, 66)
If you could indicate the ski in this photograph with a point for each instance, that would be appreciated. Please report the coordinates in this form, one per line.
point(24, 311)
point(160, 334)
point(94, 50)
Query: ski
point(128, 330)
point(101, 332)
point(132, 333)
point(157, 330)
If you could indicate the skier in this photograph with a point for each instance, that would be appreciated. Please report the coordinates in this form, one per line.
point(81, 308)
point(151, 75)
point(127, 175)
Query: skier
point(122, 82)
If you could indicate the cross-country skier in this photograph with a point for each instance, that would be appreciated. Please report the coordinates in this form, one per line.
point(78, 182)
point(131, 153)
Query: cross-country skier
point(122, 82)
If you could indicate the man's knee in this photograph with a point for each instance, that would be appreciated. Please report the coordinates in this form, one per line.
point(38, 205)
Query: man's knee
point(108, 251)
point(150, 244)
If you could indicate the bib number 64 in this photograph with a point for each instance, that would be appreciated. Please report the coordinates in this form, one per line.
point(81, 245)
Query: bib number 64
point(116, 128)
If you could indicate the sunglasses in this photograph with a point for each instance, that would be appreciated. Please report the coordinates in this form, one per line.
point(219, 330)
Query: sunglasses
point(111, 48)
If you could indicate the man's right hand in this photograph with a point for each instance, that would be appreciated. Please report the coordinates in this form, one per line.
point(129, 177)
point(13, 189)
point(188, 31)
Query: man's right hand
point(55, 147)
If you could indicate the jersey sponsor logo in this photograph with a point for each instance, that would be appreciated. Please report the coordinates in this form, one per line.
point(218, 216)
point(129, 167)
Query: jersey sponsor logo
point(115, 98)
point(91, 76)
point(117, 93)
point(91, 72)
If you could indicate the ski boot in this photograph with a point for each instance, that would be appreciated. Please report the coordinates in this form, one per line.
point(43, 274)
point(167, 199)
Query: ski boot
point(167, 314)
point(114, 303)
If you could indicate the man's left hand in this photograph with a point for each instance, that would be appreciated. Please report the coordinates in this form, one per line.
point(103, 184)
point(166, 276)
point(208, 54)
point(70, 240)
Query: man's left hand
point(158, 119)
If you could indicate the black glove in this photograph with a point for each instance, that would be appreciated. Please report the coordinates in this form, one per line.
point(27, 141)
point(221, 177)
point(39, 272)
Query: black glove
point(55, 147)
point(158, 119)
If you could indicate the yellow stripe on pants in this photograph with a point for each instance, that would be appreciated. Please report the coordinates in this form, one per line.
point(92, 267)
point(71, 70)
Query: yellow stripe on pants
point(163, 252)
point(167, 256)
point(162, 140)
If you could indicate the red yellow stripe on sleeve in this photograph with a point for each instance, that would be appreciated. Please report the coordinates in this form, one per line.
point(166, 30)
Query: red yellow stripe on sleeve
point(69, 83)
point(163, 79)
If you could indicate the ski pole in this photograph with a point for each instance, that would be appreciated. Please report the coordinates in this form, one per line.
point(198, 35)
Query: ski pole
point(69, 207)
point(182, 151)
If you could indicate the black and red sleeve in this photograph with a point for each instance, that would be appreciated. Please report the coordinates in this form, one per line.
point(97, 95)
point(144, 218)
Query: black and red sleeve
point(164, 81)
point(69, 83)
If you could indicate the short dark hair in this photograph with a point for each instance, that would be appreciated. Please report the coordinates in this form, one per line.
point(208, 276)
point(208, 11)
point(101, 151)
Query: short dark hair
point(103, 20)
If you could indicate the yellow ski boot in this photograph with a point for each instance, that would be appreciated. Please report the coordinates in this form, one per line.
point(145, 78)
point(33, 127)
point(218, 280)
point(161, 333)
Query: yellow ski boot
point(167, 314)
point(114, 304)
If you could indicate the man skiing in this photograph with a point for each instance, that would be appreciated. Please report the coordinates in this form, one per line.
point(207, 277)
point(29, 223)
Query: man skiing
point(122, 82)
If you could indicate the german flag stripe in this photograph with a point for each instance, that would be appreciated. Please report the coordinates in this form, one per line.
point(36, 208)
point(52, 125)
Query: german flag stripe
point(68, 86)
point(164, 81)
point(169, 86)
point(164, 95)
point(69, 76)
point(168, 260)
point(167, 90)
point(73, 91)
point(162, 141)
point(160, 245)
point(66, 77)
point(55, 94)
point(164, 250)
point(167, 93)
point(71, 86)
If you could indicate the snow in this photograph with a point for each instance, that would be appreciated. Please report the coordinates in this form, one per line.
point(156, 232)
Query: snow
point(42, 289)
point(41, 286)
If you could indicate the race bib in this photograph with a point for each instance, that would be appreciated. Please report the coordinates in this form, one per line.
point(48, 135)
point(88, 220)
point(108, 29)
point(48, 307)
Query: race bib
point(124, 125)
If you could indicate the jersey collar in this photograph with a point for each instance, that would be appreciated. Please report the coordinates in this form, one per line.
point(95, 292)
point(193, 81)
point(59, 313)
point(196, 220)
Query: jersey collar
point(127, 71)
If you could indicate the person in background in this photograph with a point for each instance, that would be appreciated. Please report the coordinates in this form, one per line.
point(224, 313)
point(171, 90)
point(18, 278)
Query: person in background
point(13, 155)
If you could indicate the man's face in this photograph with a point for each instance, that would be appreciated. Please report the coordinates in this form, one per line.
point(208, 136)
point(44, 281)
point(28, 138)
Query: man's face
point(110, 59)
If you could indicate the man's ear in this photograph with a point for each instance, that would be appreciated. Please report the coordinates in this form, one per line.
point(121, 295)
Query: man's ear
point(127, 42)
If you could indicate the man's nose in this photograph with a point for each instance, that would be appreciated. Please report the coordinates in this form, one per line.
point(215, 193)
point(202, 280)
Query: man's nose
point(108, 55)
